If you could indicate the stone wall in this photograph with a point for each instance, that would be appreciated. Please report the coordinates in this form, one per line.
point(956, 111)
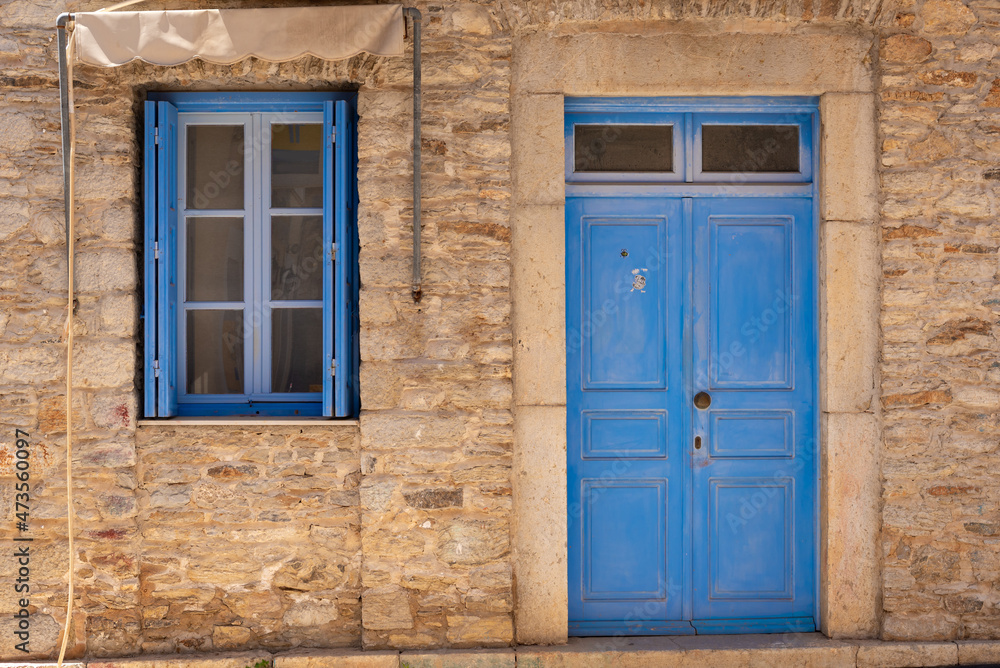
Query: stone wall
point(395, 531)
point(940, 123)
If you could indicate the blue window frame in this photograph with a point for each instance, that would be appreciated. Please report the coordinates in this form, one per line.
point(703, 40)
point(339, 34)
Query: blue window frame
point(250, 262)
point(763, 140)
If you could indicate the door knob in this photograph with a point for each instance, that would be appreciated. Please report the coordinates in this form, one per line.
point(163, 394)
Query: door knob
point(702, 400)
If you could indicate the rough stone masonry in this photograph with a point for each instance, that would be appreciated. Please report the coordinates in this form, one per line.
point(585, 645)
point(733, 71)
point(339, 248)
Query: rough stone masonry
point(394, 531)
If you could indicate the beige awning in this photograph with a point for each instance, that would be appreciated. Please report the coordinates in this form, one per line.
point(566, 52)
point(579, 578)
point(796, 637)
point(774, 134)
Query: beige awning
point(225, 36)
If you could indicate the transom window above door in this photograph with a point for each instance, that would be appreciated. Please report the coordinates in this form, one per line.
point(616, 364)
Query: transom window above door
point(251, 247)
point(689, 140)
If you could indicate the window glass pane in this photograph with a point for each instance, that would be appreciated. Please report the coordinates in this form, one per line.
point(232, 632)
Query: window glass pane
point(623, 148)
point(297, 350)
point(297, 257)
point(215, 352)
point(215, 166)
point(214, 259)
point(750, 148)
point(297, 166)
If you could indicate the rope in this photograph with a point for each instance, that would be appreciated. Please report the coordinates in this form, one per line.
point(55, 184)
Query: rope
point(71, 220)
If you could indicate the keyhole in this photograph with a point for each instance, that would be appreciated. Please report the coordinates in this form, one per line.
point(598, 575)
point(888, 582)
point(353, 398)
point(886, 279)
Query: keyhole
point(624, 252)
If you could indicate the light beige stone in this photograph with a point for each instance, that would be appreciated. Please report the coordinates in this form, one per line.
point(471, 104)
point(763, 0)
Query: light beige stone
point(973, 652)
point(906, 655)
point(683, 58)
point(490, 658)
point(540, 529)
point(851, 515)
point(849, 180)
point(537, 150)
point(539, 311)
point(228, 660)
point(850, 313)
point(386, 608)
point(337, 659)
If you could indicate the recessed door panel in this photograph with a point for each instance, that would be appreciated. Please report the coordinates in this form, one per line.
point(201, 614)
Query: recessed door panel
point(751, 538)
point(624, 324)
point(752, 301)
point(626, 552)
point(624, 434)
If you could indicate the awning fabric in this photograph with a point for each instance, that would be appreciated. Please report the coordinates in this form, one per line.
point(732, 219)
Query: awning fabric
point(224, 36)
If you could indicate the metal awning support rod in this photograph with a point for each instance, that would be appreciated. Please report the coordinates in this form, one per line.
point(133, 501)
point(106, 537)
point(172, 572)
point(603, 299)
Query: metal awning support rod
point(67, 118)
point(65, 103)
point(416, 18)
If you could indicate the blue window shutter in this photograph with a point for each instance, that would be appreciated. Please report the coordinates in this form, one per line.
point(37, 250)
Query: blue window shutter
point(338, 272)
point(149, 311)
point(344, 265)
point(330, 293)
point(166, 240)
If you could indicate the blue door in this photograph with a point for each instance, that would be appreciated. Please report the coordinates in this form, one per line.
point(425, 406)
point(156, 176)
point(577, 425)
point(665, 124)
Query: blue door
point(691, 347)
point(753, 418)
point(691, 365)
point(625, 290)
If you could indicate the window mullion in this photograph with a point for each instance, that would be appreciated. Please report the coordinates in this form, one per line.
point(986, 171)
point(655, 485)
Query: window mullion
point(260, 314)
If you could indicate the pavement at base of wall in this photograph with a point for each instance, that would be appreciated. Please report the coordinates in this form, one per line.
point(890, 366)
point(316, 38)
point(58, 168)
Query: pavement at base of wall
point(806, 650)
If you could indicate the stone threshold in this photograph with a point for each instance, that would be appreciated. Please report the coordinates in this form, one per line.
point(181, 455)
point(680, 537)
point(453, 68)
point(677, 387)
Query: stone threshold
point(805, 650)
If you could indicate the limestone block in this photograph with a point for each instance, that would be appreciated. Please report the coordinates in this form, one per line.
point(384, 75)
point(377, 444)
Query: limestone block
point(973, 652)
point(473, 631)
point(905, 49)
point(538, 150)
point(104, 271)
point(682, 58)
point(103, 363)
point(230, 660)
point(386, 608)
point(849, 145)
point(336, 659)
point(539, 316)
point(17, 131)
point(850, 325)
point(904, 655)
point(946, 17)
point(851, 512)
point(490, 658)
point(540, 532)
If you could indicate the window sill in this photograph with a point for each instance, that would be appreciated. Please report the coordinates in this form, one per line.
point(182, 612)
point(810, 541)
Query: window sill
point(224, 421)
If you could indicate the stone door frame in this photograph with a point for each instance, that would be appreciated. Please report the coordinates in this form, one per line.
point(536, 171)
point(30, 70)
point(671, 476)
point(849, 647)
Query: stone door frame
point(700, 58)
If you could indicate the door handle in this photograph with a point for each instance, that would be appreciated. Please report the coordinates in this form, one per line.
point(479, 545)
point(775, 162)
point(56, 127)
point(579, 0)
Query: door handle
point(702, 400)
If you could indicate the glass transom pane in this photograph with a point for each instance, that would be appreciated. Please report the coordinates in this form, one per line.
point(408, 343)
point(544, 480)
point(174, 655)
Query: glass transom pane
point(215, 168)
point(296, 166)
point(215, 351)
point(214, 259)
point(623, 148)
point(297, 350)
point(296, 257)
point(750, 148)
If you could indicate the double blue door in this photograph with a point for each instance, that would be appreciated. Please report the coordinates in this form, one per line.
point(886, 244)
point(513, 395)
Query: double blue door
point(691, 357)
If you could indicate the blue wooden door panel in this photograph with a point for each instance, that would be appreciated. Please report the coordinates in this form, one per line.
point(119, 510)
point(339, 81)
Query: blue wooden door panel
point(754, 349)
point(624, 374)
